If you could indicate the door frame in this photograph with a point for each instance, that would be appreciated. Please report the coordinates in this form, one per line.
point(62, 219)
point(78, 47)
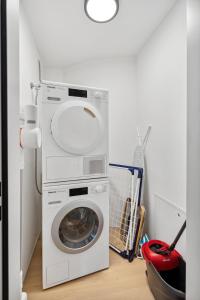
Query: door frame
point(193, 149)
point(10, 149)
point(11, 217)
point(4, 153)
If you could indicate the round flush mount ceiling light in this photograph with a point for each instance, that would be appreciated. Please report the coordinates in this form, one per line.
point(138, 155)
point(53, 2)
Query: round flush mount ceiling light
point(101, 11)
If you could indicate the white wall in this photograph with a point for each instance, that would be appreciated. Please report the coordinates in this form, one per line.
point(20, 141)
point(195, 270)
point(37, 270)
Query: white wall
point(161, 102)
point(30, 200)
point(118, 76)
point(54, 74)
point(193, 192)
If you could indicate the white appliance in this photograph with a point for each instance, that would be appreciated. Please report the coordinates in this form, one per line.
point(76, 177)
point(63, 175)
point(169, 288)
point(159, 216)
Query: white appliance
point(74, 123)
point(75, 230)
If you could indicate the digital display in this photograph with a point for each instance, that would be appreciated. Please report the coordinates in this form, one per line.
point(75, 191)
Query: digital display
point(77, 93)
point(78, 191)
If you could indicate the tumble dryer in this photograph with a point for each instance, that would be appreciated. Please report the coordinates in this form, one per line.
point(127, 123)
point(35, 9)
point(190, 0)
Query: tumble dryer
point(75, 230)
point(74, 123)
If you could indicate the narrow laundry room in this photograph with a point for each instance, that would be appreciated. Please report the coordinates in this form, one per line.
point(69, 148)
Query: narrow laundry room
point(103, 149)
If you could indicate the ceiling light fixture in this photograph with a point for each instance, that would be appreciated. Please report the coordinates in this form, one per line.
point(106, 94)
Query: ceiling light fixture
point(101, 11)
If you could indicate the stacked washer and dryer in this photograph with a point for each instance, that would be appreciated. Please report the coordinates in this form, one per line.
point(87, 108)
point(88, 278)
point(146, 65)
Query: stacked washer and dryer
point(75, 200)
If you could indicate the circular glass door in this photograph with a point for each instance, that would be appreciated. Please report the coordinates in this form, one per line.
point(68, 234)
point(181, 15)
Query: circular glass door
point(77, 226)
point(77, 127)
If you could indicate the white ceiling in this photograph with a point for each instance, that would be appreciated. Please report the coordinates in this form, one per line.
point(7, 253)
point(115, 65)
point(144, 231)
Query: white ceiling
point(64, 35)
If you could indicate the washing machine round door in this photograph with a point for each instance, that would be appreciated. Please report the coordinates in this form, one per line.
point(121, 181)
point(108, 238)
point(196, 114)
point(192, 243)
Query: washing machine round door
point(77, 226)
point(77, 127)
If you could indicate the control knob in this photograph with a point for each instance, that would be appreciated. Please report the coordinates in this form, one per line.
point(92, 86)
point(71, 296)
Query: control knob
point(99, 188)
point(98, 95)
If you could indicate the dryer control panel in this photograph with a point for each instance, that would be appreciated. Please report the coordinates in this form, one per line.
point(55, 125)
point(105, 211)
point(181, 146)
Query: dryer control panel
point(77, 93)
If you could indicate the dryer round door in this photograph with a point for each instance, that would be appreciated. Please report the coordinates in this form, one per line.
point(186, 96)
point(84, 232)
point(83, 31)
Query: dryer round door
point(77, 226)
point(77, 127)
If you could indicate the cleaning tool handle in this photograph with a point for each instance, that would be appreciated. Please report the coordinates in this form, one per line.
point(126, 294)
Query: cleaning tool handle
point(173, 245)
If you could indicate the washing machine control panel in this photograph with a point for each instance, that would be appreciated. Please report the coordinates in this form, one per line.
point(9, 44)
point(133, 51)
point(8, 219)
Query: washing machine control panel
point(78, 191)
point(84, 190)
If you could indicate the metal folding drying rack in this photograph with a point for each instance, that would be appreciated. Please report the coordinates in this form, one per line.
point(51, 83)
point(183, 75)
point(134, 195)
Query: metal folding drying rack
point(125, 196)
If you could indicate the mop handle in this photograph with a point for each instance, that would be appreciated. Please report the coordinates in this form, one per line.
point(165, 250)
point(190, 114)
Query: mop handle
point(173, 245)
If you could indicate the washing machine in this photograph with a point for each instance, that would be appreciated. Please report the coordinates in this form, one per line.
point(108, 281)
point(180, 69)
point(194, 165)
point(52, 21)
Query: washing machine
point(75, 230)
point(74, 124)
